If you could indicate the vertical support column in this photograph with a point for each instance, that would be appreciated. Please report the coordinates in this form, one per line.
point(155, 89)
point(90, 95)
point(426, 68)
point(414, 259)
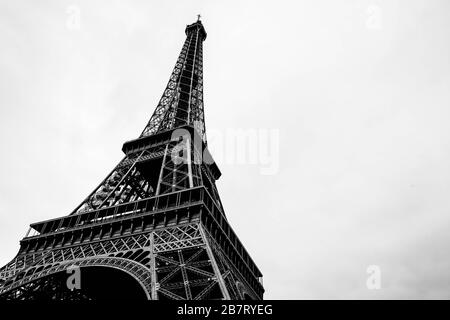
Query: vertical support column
point(153, 293)
point(222, 285)
point(189, 162)
point(187, 288)
point(158, 187)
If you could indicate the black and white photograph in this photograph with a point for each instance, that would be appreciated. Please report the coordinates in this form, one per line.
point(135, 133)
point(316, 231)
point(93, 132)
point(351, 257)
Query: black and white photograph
point(224, 150)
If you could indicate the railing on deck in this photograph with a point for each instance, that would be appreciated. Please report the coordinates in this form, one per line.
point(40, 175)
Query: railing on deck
point(143, 206)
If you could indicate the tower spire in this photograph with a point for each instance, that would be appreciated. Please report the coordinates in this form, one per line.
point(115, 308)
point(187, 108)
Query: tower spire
point(182, 99)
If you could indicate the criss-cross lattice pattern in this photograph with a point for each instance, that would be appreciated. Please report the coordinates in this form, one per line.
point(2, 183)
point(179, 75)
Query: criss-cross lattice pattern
point(182, 100)
point(124, 184)
point(177, 238)
point(156, 216)
point(171, 263)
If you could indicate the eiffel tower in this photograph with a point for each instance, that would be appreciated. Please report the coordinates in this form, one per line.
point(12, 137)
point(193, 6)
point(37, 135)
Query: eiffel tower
point(155, 227)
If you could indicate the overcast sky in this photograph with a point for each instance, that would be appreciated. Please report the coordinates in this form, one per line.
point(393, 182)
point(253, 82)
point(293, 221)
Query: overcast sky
point(359, 92)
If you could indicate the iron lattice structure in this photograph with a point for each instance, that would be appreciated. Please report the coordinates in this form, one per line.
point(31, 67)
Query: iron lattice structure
point(155, 224)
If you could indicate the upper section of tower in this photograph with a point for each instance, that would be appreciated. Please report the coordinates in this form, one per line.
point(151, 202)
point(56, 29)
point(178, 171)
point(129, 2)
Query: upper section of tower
point(196, 26)
point(182, 101)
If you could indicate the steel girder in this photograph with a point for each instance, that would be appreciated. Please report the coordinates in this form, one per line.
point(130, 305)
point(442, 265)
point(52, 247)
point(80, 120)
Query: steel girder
point(181, 262)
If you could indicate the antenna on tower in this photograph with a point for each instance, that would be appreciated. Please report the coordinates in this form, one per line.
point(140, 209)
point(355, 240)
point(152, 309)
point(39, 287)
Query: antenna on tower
point(198, 17)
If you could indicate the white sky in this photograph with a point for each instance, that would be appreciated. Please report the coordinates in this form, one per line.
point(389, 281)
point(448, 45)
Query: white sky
point(359, 91)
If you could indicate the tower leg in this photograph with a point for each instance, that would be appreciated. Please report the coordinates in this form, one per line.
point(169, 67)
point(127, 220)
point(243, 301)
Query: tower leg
point(223, 288)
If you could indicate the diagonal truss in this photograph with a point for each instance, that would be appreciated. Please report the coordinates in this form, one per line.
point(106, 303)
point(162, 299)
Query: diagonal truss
point(124, 184)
